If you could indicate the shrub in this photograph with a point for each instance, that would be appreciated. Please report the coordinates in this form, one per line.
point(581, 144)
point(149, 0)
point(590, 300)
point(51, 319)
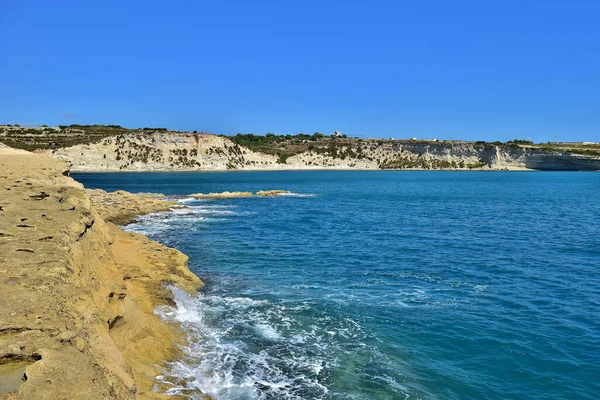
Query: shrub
point(480, 164)
point(519, 141)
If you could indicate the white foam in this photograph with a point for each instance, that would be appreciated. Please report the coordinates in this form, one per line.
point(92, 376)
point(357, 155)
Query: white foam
point(267, 331)
point(159, 222)
point(296, 194)
point(187, 200)
point(227, 368)
point(240, 303)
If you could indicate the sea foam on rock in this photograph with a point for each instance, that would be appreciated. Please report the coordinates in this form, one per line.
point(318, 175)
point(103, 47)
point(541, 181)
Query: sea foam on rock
point(232, 195)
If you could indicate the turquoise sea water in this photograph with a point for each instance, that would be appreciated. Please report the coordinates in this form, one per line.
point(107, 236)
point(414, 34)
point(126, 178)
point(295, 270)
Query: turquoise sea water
point(386, 284)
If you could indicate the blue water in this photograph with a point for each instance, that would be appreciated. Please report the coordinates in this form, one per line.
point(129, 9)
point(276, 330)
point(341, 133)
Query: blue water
point(386, 284)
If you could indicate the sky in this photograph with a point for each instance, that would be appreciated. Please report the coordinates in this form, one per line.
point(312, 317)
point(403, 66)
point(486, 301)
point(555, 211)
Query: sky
point(446, 69)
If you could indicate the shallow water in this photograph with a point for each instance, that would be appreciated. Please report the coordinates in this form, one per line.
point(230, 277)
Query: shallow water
point(385, 284)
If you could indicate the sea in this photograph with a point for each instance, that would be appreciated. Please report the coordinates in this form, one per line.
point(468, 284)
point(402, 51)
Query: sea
point(383, 284)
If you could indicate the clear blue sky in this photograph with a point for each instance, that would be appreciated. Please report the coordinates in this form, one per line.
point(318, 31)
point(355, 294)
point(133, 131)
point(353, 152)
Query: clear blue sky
point(472, 69)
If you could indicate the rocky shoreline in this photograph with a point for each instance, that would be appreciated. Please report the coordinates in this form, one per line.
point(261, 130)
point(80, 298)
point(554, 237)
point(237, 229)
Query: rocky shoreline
point(78, 293)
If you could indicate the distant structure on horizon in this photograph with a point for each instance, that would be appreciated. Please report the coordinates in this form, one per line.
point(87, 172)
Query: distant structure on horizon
point(337, 133)
point(578, 143)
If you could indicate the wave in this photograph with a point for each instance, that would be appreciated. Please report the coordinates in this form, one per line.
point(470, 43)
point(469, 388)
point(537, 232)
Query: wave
point(296, 194)
point(241, 348)
point(187, 200)
point(188, 217)
point(202, 211)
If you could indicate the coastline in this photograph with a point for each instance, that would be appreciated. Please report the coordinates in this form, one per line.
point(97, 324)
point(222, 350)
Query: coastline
point(181, 151)
point(77, 314)
point(183, 170)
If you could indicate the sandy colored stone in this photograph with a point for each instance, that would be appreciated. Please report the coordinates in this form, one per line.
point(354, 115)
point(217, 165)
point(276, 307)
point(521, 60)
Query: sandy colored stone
point(77, 293)
point(270, 193)
point(121, 206)
point(223, 195)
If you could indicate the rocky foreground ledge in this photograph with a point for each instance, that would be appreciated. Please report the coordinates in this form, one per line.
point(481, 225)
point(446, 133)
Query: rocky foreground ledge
point(77, 293)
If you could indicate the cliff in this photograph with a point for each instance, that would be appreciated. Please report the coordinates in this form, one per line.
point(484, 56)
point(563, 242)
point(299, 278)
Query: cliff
point(78, 293)
point(177, 151)
point(163, 152)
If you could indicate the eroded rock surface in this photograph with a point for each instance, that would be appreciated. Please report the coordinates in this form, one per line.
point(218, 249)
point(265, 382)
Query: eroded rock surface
point(77, 293)
point(121, 206)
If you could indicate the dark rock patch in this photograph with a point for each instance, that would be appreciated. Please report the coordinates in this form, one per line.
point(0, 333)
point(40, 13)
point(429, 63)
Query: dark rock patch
point(40, 196)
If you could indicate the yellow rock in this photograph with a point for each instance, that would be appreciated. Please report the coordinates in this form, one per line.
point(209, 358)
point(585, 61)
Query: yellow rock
point(224, 195)
point(78, 293)
point(269, 193)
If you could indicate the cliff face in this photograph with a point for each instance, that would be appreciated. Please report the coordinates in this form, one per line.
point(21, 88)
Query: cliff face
point(77, 293)
point(187, 152)
point(162, 152)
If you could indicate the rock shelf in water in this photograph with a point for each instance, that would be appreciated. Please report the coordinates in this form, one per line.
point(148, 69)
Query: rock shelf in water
point(232, 195)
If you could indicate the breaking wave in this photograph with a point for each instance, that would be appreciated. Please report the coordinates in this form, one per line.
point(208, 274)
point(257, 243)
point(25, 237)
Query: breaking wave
point(297, 194)
point(240, 348)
